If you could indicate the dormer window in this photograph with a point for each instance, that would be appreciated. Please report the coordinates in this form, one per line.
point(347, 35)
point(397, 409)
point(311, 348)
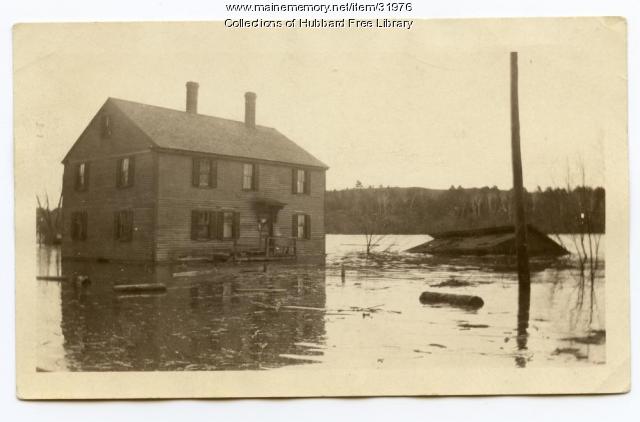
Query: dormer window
point(106, 126)
point(82, 176)
point(125, 172)
point(300, 181)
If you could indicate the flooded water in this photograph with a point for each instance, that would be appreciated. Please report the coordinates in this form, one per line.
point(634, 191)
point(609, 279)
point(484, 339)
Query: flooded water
point(297, 316)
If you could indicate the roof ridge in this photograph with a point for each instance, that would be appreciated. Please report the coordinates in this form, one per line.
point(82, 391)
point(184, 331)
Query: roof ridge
point(185, 112)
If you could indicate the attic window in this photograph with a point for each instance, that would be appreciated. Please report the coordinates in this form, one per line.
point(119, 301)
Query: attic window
point(82, 176)
point(106, 126)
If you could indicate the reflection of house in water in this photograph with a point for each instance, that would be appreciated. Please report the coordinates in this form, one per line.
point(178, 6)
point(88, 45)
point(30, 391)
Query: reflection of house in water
point(200, 322)
point(148, 183)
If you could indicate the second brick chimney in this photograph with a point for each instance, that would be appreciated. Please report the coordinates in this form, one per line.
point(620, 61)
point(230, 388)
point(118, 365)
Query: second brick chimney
point(250, 109)
point(192, 97)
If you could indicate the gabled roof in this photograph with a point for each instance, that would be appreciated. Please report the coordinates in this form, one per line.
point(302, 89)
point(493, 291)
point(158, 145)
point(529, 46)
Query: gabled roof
point(488, 240)
point(481, 232)
point(179, 130)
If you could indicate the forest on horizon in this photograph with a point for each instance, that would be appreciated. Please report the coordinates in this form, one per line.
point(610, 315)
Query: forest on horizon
point(395, 210)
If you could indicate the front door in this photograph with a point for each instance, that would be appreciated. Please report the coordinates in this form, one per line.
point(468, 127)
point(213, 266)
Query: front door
point(267, 231)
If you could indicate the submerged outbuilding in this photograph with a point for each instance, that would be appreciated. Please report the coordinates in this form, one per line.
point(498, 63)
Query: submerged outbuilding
point(489, 241)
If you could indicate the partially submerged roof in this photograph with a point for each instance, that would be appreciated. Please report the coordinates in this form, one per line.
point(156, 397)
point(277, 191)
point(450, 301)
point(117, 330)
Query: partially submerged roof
point(180, 130)
point(489, 240)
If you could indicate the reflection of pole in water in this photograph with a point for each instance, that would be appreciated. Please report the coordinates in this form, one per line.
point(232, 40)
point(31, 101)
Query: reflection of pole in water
point(522, 256)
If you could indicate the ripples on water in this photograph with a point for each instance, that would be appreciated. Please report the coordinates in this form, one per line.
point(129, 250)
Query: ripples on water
point(218, 321)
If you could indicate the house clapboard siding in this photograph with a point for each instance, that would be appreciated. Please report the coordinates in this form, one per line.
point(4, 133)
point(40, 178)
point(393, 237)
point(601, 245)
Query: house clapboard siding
point(163, 196)
point(177, 198)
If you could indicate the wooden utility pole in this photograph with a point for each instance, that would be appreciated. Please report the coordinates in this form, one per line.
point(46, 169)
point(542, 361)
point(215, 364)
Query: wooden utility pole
point(524, 281)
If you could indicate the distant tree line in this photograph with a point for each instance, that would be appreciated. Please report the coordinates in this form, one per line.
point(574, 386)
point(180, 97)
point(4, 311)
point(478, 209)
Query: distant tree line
point(393, 210)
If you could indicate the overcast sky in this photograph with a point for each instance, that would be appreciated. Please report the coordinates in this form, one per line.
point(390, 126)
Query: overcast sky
point(422, 107)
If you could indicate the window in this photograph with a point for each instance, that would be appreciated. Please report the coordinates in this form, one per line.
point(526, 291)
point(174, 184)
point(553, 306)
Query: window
point(201, 224)
point(125, 172)
point(227, 225)
point(79, 225)
point(123, 225)
point(300, 181)
point(301, 228)
point(250, 176)
point(220, 225)
point(204, 173)
point(82, 176)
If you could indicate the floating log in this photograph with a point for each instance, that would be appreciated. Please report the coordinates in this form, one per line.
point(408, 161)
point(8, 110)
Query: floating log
point(292, 307)
point(52, 278)
point(192, 273)
point(261, 290)
point(150, 287)
point(464, 301)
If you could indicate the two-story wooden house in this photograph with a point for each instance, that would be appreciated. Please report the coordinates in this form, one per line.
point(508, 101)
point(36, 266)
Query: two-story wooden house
point(150, 183)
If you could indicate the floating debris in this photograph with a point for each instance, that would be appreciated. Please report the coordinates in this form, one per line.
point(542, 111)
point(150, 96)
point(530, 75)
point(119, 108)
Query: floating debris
point(52, 278)
point(569, 351)
point(301, 357)
point(261, 290)
point(453, 282)
point(594, 337)
point(464, 301)
point(140, 287)
point(193, 273)
point(441, 346)
point(467, 326)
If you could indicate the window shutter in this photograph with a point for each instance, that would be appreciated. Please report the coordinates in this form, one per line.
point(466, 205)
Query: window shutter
point(307, 226)
point(74, 232)
point(119, 172)
point(116, 225)
point(132, 170)
point(213, 224)
point(307, 182)
point(129, 227)
point(213, 173)
point(256, 177)
point(85, 218)
point(195, 172)
point(294, 180)
point(294, 225)
point(236, 225)
point(220, 225)
point(77, 174)
point(194, 225)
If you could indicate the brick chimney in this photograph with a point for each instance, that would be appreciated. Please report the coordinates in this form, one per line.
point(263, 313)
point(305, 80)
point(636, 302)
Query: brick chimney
point(250, 109)
point(192, 97)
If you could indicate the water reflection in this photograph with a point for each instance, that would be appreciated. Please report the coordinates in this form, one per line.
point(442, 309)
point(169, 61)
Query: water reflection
point(199, 323)
point(222, 318)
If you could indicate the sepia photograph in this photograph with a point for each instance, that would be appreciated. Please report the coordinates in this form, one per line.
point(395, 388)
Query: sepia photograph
point(205, 209)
